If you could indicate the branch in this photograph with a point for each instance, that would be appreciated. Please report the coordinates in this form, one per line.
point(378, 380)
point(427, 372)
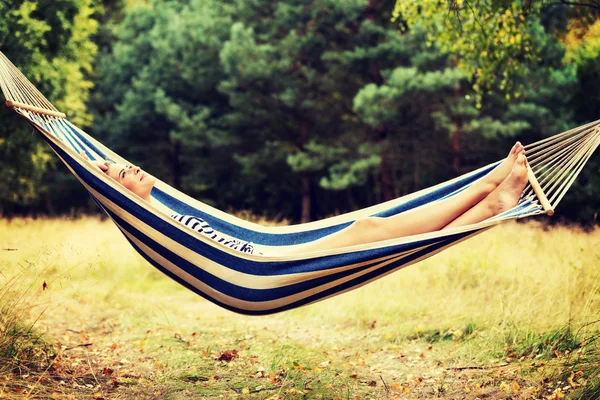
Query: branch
point(78, 345)
point(477, 20)
point(475, 367)
point(447, 18)
point(592, 4)
point(585, 326)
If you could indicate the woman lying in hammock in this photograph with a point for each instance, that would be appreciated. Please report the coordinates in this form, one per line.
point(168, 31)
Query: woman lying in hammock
point(495, 193)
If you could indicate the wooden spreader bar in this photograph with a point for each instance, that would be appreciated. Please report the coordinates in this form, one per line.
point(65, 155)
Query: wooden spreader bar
point(535, 185)
point(39, 110)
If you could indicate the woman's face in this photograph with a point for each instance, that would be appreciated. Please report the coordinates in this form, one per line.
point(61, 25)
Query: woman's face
point(133, 178)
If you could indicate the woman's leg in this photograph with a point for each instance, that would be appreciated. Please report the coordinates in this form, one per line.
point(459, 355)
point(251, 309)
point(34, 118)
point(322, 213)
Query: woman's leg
point(505, 197)
point(428, 218)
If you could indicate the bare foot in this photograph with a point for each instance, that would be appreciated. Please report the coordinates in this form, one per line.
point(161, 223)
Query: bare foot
point(502, 198)
point(507, 194)
point(499, 174)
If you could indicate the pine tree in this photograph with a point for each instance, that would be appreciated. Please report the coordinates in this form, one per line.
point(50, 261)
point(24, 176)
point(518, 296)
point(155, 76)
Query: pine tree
point(157, 101)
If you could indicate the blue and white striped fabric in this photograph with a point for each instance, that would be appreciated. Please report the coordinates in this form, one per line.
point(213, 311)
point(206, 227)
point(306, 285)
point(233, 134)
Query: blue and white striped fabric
point(241, 281)
point(201, 226)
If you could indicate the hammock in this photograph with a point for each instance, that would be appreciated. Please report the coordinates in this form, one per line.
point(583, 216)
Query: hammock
point(263, 284)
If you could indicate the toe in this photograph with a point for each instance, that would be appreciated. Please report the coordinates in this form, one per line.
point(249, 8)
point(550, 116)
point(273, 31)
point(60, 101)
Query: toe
point(514, 149)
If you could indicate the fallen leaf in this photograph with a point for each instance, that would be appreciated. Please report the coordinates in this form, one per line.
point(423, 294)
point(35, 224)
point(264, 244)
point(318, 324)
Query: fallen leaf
point(556, 395)
point(228, 355)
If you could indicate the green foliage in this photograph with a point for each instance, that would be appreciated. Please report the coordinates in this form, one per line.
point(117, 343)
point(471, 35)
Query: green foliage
point(50, 43)
point(355, 171)
point(415, 109)
point(547, 345)
point(157, 100)
point(491, 41)
point(314, 157)
point(579, 349)
point(379, 105)
point(279, 84)
point(242, 120)
point(438, 335)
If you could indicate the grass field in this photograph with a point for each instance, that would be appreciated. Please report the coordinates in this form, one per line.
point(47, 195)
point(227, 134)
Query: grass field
point(512, 313)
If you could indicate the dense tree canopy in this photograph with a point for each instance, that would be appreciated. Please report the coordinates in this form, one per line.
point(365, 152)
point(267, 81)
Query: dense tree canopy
point(494, 42)
point(298, 108)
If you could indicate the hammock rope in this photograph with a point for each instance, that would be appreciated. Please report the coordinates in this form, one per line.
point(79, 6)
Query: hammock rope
point(21, 93)
point(279, 281)
point(557, 161)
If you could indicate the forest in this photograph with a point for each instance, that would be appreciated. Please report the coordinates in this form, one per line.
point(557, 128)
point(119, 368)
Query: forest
point(290, 111)
point(298, 109)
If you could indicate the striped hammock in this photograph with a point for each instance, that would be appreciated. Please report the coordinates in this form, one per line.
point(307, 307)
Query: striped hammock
point(277, 281)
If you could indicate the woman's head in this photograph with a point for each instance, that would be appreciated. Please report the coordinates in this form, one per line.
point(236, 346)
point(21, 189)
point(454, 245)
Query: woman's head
point(131, 177)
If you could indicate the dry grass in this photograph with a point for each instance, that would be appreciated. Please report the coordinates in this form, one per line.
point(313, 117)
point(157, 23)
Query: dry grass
point(507, 294)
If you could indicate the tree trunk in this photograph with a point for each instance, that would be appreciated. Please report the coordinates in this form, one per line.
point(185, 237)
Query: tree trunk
point(306, 197)
point(456, 149)
point(456, 143)
point(373, 10)
point(387, 180)
point(416, 166)
point(177, 168)
point(306, 192)
point(50, 209)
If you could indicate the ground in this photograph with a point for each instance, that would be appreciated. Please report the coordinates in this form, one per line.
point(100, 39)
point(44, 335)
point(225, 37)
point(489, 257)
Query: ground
point(467, 324)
